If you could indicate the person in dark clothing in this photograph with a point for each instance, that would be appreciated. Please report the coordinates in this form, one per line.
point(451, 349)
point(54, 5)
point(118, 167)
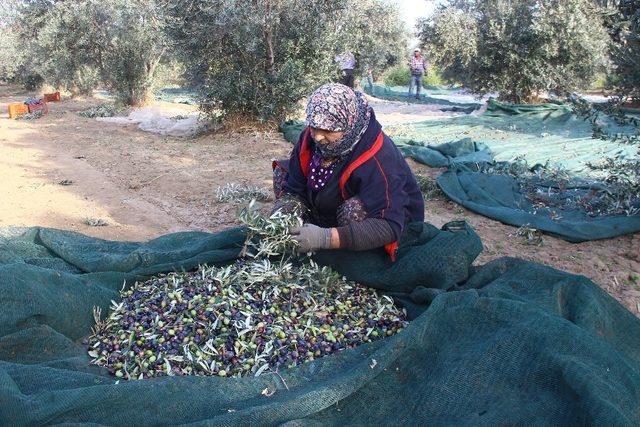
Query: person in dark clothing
point(351, 182)
point(347, 62)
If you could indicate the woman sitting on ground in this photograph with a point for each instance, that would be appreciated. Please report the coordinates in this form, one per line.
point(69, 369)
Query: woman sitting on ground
point(354, 187)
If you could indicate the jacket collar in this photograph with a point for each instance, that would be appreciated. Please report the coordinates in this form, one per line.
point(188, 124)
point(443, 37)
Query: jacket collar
point(368, 139)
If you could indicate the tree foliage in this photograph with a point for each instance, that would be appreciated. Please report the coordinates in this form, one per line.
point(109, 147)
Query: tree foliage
point(622, 19)
point(13, 47)
point(261, 57)
point(78, 44)
point(375, 31)
point(518, 48)
point(256, 57)
point(66, 46)
point(133, 44)
point(9, 51)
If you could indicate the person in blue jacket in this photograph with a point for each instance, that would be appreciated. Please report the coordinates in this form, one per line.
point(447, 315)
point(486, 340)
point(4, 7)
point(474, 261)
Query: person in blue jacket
point(354, 187)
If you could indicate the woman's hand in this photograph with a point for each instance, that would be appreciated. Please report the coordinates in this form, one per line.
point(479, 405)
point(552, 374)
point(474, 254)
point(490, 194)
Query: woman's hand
point(311, 237)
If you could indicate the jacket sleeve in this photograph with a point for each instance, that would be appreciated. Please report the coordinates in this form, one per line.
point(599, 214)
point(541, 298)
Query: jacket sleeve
point(296, 182)
point(368, 234)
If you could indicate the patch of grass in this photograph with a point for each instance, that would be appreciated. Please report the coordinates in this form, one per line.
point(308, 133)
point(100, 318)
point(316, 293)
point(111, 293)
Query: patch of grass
point(102, 110)
point(400, 76)
point(429, 188)
point(633, 280)
point(530, 236)
point(95, 222)
point(32, 116)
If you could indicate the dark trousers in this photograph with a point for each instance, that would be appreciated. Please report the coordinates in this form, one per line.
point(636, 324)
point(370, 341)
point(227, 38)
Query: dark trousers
point(416, 80)
point(347, 77)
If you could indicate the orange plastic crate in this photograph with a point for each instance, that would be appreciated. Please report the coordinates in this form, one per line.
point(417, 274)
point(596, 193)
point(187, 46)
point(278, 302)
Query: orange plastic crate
point(52, 97)
point(16, 110)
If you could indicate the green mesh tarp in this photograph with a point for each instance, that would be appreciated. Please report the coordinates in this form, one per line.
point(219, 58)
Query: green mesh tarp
point(508, 343)
point(500, 197)
point(536, 133)
point(291, 130)
point(177, 95)
point(402, 90)
point(447, 154)
point(400, 93)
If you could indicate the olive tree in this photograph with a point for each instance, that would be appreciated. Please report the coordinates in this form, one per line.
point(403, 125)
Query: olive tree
point(66, 47)
point(78, 44)
point(622, 18)
point(518, 48)
point(19, 23)
point(260, 58)
point(11, 56)
point(132, 45)
point(375, 31)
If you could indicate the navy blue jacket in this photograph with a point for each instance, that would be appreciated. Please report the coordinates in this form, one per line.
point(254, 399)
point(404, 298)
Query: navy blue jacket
point(375, 171)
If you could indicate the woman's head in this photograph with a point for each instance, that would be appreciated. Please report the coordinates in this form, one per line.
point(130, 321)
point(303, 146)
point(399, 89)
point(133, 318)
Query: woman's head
point(338, 117)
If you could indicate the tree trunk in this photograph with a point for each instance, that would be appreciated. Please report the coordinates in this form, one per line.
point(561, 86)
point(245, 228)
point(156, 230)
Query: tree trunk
point(271, 59)
point(267, 34)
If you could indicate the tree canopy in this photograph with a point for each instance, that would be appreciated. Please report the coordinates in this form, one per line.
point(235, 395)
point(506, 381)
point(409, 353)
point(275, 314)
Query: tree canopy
point(261, 57)
point(518, 48)
point(622, 19)
point(79, 44)
point(243, 56)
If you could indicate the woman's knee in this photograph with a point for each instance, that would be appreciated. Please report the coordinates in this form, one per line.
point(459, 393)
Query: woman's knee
point(280, 175)
point(352, 210)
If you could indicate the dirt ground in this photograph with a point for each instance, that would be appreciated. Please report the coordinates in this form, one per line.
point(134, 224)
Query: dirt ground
point(145, 185)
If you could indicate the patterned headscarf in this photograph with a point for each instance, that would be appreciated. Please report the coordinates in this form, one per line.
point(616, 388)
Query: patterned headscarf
point(338, 108)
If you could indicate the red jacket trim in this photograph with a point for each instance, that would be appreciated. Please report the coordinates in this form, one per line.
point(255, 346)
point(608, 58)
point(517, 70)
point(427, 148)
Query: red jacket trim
point(277, 163)
point(364, 157)
point(305, 153)
point(391, 249)
point(386, 186)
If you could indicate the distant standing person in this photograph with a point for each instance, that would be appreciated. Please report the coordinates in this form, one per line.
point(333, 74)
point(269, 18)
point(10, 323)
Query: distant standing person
point(418, 67)
point(369, 74)
point(347, 62)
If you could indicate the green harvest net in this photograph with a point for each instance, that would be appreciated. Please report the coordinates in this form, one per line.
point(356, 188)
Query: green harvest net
point(537, 133)
point(177, 95)
point(510, 342)
point(400, 93)
point(575, 207)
